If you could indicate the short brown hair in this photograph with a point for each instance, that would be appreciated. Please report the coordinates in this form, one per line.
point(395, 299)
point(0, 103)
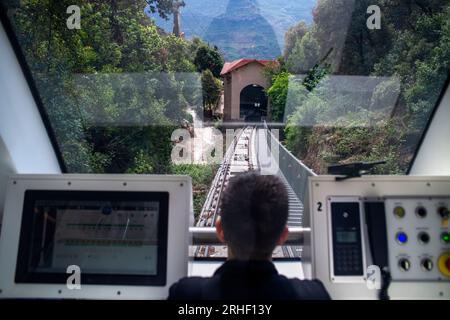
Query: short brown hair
point(254, 212)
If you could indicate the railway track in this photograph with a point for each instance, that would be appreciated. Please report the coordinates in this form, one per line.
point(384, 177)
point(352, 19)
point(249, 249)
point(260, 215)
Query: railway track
point(240, 157)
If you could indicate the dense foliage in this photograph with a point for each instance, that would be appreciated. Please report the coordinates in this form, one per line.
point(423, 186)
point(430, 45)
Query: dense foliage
point(116, 89)
point(212, 90)
point(207, 58)
point(291, 36)
point(202, 177)
point(278, 93)
point(390, 80)
point(112, 89)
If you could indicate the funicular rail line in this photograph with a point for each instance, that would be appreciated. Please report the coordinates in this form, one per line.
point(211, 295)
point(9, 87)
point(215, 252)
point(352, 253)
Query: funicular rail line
point(237, 159)
point(244, 155)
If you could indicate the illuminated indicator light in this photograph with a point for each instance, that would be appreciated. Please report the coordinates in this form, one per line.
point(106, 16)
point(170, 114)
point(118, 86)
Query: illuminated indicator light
point(402, 238)
point(399, 212)
point(444, 223)
point(445, 237)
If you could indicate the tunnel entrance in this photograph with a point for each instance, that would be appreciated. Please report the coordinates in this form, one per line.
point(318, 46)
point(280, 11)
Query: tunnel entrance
point(253, 103)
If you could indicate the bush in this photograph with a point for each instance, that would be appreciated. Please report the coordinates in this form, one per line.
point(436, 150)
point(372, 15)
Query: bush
point(202, 177)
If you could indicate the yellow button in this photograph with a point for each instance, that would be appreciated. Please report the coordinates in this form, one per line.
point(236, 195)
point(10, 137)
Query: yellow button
point(444, 264)
point(399, 212)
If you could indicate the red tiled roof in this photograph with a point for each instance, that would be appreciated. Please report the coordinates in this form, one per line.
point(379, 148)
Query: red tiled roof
point(236, 64)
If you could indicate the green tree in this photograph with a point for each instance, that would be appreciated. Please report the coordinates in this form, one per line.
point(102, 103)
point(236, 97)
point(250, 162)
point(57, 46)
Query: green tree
point(207, 58)
point(111, 89)
point(331, 22)
point(305, 55)
point(163, 7)
point(293, 35)
point(277, 94)
point(212, 90)
point(420, 58)
point(412, 48)
point(202, 177)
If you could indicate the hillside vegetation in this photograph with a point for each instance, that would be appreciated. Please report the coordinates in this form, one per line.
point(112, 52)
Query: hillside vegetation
point(401, 70)
point(116, 89)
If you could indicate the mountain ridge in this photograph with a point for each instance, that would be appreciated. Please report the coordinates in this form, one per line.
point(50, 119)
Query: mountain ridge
point(222, 23)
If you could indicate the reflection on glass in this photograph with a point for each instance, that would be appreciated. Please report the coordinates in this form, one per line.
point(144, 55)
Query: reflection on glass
point(117, 90)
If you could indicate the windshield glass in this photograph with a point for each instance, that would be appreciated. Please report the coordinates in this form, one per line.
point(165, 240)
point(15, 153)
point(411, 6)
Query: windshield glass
point(152, 86)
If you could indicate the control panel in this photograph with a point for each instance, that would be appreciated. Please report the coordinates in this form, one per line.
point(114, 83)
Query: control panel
point(346, 224)
point(418, 238)
point(72, 236)
point(381, 236)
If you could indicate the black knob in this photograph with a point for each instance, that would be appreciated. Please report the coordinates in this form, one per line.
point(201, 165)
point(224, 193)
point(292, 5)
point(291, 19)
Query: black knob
point(444, 212)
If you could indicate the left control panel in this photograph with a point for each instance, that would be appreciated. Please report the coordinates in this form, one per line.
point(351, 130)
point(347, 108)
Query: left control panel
point(94, 236)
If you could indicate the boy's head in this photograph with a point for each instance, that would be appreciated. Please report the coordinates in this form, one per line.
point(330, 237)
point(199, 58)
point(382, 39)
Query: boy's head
point(254, 212)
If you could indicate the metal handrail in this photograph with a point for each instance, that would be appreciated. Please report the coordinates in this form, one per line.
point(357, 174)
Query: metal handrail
point(296, 174)
point(294, 158)
point(208, 236)
point(293, 170)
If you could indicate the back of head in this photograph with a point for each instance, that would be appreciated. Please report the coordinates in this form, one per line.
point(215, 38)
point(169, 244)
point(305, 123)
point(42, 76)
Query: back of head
point(254, 212)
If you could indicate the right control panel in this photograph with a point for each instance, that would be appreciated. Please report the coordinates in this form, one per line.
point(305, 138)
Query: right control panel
point(379, 237)
point(418, 238)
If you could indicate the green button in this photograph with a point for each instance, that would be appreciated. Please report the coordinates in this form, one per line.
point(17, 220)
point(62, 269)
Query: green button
point(445, 237)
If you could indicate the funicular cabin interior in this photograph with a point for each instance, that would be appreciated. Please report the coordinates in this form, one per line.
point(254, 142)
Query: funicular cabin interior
point(90, 193)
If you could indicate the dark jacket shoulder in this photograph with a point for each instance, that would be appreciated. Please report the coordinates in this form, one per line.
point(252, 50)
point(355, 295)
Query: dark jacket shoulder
point(188, 288)
point(239, 280)
point(310, 289)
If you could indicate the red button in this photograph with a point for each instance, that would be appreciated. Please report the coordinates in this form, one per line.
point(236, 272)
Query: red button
point(447, 264)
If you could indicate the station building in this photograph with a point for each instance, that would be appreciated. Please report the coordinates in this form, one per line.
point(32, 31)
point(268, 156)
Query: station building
point(245, 86)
